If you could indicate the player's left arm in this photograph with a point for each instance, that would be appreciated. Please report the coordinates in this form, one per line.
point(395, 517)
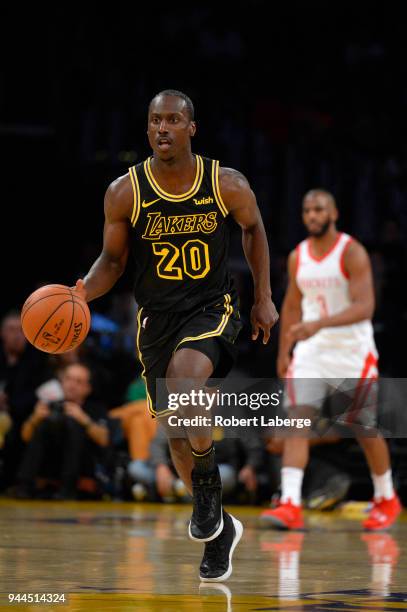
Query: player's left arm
point(361, 292)
point(241, 203)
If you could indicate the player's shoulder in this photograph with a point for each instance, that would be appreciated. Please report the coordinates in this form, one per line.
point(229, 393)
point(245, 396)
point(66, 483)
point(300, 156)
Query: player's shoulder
point(120, 186)
point(231, 179)
point(119, 195)
point(354, 256)
point(296, 253)
point(352, 246)
point(293, 258)
point(293, 254)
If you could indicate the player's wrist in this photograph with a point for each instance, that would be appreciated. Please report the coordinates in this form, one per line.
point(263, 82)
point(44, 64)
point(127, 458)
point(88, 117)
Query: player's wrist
point(81, 289)
point(85, 290)
point(262, 295)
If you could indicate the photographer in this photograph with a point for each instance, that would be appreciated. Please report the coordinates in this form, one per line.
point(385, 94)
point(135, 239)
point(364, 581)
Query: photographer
point(63, 436)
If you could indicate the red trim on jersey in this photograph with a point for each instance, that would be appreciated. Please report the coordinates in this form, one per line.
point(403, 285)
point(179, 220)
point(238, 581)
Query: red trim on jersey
point(342, 260)
point(361, 393)
point(363, 388)
point(318, 259)
point(370, 361)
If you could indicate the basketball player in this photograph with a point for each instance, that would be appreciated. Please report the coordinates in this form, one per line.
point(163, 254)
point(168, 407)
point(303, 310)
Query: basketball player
point(171, 212)
point(327, 312)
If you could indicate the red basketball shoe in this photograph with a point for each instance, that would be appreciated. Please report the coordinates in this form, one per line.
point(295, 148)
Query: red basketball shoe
point(285, 516)
point(383, 514)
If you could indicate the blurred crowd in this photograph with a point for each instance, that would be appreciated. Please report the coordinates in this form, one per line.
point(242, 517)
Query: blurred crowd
point(76, 426)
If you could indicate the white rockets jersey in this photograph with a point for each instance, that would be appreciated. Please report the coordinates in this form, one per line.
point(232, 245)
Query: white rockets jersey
point(324, 285)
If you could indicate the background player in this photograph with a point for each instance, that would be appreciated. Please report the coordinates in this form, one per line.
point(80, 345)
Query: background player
point(171, 211)
point(327, 311)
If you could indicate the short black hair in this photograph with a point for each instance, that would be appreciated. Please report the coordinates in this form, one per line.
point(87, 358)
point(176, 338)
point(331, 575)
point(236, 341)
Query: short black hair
point(178, 94)
point(320, 191)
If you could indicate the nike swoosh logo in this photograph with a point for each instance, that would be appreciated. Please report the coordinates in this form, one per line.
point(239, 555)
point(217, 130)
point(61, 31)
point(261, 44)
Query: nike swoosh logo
point(147, 204)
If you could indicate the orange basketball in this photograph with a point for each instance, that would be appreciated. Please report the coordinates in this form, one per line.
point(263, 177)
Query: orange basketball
point(55, 319)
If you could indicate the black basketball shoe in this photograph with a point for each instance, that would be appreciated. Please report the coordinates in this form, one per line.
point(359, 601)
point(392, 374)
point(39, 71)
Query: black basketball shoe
point(207, 520)
point(216, 564)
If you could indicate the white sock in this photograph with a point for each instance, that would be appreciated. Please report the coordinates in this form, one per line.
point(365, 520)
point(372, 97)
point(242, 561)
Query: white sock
point(383, 485)
point(291, 483)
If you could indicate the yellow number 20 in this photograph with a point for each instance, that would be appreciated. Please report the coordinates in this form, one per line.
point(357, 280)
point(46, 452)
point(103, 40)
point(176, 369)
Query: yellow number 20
point(195, 259)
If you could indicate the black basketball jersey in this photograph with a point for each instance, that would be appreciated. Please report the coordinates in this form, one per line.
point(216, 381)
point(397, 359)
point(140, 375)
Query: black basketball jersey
point(179, 242)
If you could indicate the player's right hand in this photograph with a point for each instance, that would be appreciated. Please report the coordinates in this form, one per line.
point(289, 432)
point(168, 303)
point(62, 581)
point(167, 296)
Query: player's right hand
point(80, 288)
point(283, 361)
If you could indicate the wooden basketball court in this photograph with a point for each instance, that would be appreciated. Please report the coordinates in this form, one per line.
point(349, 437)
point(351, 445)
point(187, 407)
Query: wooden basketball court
point(125, 557)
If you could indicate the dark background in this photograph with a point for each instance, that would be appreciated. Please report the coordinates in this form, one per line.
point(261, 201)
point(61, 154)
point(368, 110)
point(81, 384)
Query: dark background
point(295, 96)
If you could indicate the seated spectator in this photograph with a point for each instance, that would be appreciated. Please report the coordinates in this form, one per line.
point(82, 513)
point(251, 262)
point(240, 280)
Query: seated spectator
point(22, 369)
point(238, 460)
point(241, 456)
point(156, 474)
point(63, 437)
point(137, 425)
point(85, 353)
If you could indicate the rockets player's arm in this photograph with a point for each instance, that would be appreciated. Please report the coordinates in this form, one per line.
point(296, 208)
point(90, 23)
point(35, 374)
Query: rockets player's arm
point(111, 263)
point(290, 315)
point(361, 292)
point(241, 203)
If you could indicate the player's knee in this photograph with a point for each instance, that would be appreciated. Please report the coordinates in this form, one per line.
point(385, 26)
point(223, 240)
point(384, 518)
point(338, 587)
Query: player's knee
point(189, 364)
point(181, 388)
point(177, 384)
point(185, 379)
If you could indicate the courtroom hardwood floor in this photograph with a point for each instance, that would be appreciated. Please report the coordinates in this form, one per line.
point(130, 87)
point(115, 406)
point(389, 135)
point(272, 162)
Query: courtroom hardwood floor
point(129, 556)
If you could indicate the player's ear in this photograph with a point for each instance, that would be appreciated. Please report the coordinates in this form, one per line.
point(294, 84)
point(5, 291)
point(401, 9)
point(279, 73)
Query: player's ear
point(335, 215)
point(192, 128)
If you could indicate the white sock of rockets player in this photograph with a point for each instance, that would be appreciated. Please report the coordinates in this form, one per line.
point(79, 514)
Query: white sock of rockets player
point(383, 485)
point(291, 484)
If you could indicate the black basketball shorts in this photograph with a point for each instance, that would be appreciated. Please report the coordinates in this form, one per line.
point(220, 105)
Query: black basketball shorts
point(211, 329)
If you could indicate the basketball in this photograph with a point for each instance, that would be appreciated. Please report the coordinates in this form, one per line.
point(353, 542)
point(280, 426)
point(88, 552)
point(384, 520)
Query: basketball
point(55, 319)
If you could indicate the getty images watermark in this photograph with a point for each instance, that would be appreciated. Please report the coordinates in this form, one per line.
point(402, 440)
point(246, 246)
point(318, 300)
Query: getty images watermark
point(208, 401)
point(346, 407)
